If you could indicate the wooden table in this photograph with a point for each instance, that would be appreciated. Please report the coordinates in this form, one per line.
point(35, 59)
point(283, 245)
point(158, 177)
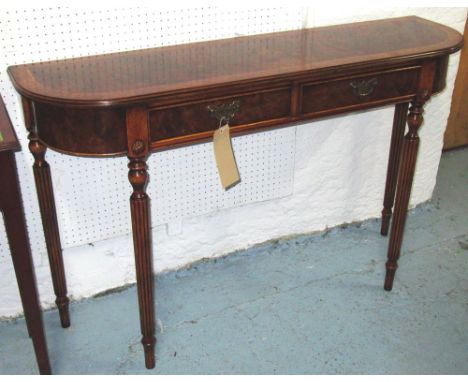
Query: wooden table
point(12, 207)
point(134, 103)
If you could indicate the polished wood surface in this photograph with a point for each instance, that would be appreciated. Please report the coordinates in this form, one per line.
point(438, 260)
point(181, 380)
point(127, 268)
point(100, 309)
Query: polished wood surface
point(113, 79)
point(193, 118)
point(278, 78)
point(133, 103)
point(398, 132)
point(45, 194)
point(407, 166)
point(11, 206)
point(137, 138)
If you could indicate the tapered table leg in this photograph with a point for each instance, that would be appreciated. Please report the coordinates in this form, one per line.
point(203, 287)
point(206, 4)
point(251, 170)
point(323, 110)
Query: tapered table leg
point(49, 221)
point(139, 204)
point(12, 207)
point(398, 132)
point(138, 143)
point(405, 181)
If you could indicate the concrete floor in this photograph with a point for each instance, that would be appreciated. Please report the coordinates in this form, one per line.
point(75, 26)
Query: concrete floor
point(311, 304)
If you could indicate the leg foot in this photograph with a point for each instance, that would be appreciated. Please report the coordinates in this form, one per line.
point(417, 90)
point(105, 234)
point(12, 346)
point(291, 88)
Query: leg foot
point(62, 305)
point(148, 347)
point(389, 276)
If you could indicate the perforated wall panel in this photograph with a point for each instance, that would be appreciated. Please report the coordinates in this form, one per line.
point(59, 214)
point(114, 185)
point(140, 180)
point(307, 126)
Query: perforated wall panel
point(92, 194)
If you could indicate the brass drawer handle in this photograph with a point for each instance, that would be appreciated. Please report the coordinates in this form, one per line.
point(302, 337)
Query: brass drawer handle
point(224, 112)
point(364, 88)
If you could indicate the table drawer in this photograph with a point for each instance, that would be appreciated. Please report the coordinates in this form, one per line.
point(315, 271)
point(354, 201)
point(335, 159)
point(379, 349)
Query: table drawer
point(196, 117)
point(351, 92)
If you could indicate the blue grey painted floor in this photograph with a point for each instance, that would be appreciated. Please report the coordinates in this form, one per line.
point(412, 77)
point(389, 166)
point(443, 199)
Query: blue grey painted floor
point(311, 304)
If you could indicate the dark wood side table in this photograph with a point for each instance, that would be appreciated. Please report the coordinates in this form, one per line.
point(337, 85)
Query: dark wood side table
point(12, 207)
point(133, 103)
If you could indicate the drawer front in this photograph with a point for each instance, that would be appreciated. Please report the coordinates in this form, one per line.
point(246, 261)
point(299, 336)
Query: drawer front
point(354, 91)
point(188, 119)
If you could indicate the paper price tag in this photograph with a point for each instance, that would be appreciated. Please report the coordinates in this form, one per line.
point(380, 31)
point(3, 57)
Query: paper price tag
point(225, 160)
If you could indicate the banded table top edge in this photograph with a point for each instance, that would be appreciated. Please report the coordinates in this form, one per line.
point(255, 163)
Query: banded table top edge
point(127, 82)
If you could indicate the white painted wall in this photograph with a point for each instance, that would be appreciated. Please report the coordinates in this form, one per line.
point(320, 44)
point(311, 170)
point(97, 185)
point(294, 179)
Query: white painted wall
point(334, 169)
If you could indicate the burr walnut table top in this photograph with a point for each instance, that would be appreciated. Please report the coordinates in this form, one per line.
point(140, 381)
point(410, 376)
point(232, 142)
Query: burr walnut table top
point(128, 77)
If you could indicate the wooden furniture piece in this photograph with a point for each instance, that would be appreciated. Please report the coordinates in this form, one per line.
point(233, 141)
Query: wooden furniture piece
point(12, 207)
point(456, 134)
point(133, 103)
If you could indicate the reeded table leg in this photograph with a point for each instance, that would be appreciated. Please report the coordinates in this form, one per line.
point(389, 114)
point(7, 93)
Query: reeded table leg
point(45, 194)
point(405, 181)
point(139, 204)
point(138, 142)
point(398, 133)
point(15, 225)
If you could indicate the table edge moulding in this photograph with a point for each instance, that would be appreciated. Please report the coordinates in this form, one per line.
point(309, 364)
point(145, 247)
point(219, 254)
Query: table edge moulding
point(134, 103)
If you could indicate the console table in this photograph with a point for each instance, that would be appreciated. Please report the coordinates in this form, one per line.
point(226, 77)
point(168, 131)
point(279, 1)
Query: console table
point(134, 103)
point(12, 207)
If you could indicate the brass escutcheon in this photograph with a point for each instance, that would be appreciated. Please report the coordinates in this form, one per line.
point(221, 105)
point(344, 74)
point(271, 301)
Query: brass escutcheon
point(363, 88)
point(224, 112)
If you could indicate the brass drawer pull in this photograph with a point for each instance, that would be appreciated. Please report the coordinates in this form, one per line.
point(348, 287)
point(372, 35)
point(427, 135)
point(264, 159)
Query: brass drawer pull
point(364, 88)
point(224, 112)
